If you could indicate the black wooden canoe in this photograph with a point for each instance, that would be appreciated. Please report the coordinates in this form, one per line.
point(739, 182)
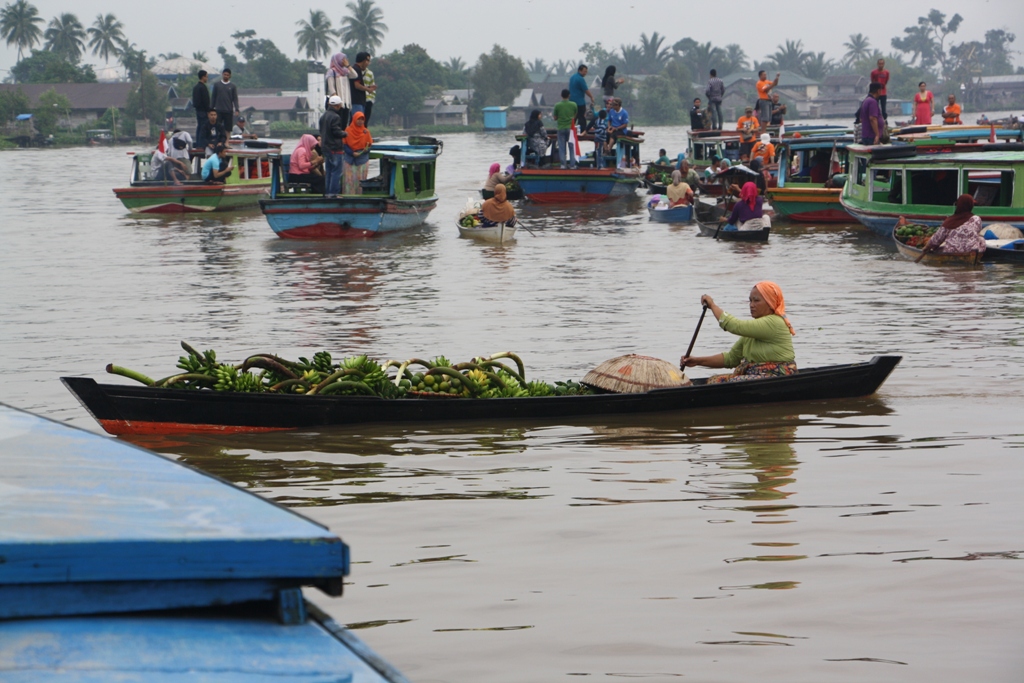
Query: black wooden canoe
point(124, 409)
point(734, 235)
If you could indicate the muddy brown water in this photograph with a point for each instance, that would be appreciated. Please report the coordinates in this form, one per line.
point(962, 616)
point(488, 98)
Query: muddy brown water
point(870, 539)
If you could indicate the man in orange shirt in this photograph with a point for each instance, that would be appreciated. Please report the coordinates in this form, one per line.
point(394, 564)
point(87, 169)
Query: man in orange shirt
point(764, 149)
point(747, 126)
point(764, 95)
point(951, 113)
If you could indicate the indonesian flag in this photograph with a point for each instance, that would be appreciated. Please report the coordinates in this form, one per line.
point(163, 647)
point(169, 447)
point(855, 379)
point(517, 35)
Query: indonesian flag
point(576, 141)
point(162, 144)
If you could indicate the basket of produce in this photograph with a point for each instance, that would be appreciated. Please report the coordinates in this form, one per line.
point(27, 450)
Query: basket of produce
point(914, 235)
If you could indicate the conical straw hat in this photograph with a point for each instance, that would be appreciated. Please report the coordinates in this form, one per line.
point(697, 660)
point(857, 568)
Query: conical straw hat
point(635, 374)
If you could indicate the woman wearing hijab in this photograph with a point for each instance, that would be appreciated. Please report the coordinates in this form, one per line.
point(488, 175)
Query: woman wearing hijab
point(303, 162)
point(536, 136)
point(960, 233)
point(608, 85)
point(679, 193)
point(497, 210)
point(494, 177)
point(355, 154)
point(765, 344)
point(748, 213)
point(338, 77)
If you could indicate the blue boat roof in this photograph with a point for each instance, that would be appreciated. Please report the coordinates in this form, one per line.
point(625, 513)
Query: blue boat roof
point(79, 511)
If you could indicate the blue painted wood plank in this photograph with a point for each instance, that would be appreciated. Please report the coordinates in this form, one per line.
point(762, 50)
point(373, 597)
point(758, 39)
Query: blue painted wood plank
point(80, 509)
point(156, 649)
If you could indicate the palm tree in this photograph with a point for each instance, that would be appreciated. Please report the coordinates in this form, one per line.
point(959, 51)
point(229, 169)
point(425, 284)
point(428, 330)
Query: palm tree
point(65, 36)
point(735, 60)
point(364, 29)
point(703, 57)
point(104, 35)
point(816, 67)
point(315, 37)
point(200, 56)
point(537, 66)
point(563, 67)
point(632, 59)
point(169, 55)
point(18, 25)
point(789, 57)
point(655, 57)
point(857, 48)
point(455, 65)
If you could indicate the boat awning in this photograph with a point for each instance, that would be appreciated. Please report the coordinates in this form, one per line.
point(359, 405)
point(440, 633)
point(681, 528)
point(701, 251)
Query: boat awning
point(90, 524)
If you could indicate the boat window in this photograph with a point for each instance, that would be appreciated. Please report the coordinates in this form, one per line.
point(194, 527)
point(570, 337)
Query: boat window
point(935, 187)
point(887, 186)
point(862, 170)
point(698, 152)
point(990, 188)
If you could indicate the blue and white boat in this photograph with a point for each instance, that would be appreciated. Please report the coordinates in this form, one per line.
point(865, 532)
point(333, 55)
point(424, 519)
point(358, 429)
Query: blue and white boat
point(117, 564)
point(399, 197)
point(585, 184)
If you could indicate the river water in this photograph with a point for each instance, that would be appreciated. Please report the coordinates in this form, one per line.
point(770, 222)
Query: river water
point(873, 539)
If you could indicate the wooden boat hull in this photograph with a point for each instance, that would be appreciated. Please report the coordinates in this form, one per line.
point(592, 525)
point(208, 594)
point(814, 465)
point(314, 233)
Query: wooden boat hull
point(314, 218)
point(883, 223)
point(935, 258)
point(124, 409)
point(734, 235)
point(190, 197)
point(497, 233)
point(679, 214)
point(809, 205)
point(579, 186)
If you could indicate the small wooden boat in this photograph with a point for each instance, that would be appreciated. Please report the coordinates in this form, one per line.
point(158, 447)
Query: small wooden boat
point(721, 233)
point(934, 258)
point(494, 233)
point(159, 573)
point(122, 409)
point(657, 177)
point(677, 214)
point(242, 189)
point(400, 197)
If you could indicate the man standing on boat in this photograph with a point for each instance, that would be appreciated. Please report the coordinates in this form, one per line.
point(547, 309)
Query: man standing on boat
point(201, 100)
point(332, 141)
point(579, 93)
point(747, 126)
point(778, 110)
point(764, 102)
point(565, 115)
point(225, 100)
point(715, 92)
point(360, 90)
point(881, 75)
point(872, 125)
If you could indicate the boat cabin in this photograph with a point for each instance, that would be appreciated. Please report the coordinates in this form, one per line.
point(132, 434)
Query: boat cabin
point(626, 147)
point(250, 159)
point(814, 160)
point(398, 170)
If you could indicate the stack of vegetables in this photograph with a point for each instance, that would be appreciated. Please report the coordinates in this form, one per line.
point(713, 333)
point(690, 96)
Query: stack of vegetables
point(916, 236)
point(483, 377)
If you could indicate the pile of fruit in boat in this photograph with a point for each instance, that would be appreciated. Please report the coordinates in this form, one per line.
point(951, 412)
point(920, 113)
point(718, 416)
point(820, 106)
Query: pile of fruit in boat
point(915, 235)
point(483, 377)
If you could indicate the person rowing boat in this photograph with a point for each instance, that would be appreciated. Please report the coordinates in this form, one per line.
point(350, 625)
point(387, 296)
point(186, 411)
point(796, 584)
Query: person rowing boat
point(765, 344)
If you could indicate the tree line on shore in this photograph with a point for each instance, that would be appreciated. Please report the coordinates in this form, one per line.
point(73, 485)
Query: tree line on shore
point(406, 77)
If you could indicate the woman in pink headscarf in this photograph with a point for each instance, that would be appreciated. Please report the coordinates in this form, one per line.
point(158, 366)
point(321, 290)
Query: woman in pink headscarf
point(338, 77)
point(748, 213)
point(303, 163)
point(765, 344)
point(494, 178)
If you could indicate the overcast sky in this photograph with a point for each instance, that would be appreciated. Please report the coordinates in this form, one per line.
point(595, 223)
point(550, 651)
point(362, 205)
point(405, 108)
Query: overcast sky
point(550, 30)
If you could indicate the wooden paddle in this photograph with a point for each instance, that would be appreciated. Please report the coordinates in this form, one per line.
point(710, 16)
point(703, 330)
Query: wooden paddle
point(693, 341)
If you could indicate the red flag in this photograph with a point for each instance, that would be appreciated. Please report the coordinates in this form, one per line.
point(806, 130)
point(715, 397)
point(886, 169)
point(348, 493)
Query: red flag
point(576, 141)
point(992, 134)
point(162, 145)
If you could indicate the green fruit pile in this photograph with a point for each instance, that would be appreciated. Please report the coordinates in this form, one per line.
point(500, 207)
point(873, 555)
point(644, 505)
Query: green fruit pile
point(469, 221)
point(915, 235)
point(482, 377)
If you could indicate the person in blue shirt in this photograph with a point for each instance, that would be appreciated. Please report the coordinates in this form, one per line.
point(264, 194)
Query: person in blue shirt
point(217, 167)
point(580, 93)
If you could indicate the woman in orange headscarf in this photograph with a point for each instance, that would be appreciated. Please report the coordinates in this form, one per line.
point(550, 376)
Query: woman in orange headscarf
point(355, 154)
point(497, 209)
point(765, 344)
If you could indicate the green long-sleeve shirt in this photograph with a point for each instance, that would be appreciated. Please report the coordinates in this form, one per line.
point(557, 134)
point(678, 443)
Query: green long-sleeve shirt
point(762, 340)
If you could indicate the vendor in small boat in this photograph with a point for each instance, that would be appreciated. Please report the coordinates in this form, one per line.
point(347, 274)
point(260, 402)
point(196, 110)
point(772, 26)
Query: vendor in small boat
point(536, 136)
point(303, 163)
point(497, 209)
point(765, 344)
point(748, 214)
point(679, 193)
point(960, 233)
point(494, 177)
point(663, 159)
point(690, 176)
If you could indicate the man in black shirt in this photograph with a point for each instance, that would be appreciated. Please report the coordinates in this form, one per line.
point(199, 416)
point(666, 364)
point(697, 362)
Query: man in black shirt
point(778, 110)
point(697, 116)
point(211, 133)
point(201, 100)
point(359, 88)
